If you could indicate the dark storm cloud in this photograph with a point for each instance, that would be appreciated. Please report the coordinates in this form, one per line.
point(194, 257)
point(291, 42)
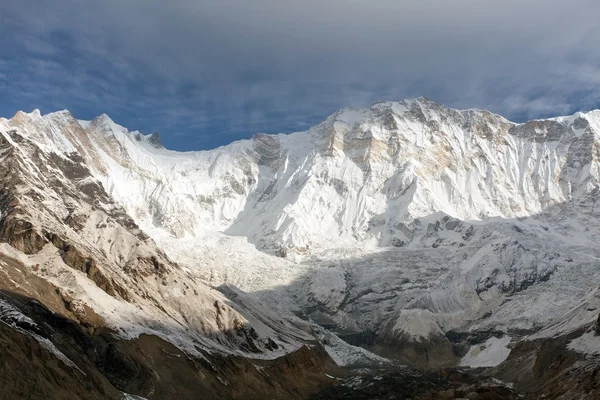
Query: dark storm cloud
point(207, 72)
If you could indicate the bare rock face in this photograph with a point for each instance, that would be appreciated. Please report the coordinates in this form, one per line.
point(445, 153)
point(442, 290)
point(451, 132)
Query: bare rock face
point(45, 353)
point(268, 150)
point(21, 235)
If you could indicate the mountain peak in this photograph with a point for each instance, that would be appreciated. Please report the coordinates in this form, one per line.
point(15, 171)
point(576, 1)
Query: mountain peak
point(102, 119)
point(22, 114)
point(105, 124)
point(152, 138)
point(61, 114)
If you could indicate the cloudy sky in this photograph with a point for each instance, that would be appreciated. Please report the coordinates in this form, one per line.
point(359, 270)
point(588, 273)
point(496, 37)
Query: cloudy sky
point(204, 73)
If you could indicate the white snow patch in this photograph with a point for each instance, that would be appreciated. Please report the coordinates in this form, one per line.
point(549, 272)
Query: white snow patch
point(588, 343)
point(488, 354)
point(127, 396)
point(344, 354)
point(84, 124)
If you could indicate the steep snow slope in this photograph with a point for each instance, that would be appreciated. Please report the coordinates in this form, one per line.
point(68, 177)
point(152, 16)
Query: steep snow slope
point(361, 176)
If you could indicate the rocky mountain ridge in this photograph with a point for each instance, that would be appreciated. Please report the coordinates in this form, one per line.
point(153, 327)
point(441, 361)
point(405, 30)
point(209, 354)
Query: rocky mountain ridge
point(431, 236)
point(360, 176)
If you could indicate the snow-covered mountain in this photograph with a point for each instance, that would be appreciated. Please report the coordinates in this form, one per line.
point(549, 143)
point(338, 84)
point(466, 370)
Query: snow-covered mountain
point(410, 229)
point(360, 176)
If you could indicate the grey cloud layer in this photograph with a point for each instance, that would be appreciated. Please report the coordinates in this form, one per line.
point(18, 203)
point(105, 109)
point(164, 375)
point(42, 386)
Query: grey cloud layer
point(266, 64)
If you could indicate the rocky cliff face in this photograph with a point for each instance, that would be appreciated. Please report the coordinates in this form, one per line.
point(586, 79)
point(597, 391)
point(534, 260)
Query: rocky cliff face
point(421, 233)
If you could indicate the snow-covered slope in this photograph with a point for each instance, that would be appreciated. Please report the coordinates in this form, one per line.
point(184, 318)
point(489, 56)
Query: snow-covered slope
point(58, 221)
point(390, 225)
point(361, 176)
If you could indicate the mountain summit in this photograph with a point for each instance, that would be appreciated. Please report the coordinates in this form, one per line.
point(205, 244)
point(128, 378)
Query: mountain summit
point(411, 231)
point(359, 177)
